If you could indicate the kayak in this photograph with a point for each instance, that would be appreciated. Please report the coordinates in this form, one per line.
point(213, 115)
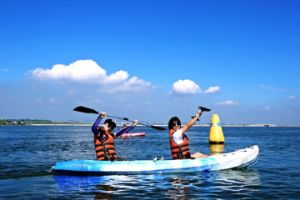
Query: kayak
point(142, 134)
point(237, 159)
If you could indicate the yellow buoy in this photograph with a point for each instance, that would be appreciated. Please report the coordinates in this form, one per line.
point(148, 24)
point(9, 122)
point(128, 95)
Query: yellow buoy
point(216, 134)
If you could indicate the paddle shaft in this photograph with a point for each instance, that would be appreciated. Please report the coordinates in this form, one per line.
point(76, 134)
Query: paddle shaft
point(202, 109)
point(89, 110)
point(124, 118)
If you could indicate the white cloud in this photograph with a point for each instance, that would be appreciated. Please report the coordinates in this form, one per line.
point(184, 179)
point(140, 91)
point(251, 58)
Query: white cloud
point(212, 89)
point(147, 103)
point(88, 71)
point(39, 100)
point(71, 91)
point(186, 86)
point(288, 113)
point(267, 108)
point(12, 98)
point(227, 103)
point(271, 88)
point(135, 81)
point(52, 100)
point(97, 100)
point(292, 97)
point(81, 70)
point(154, 110)
point(133, 84)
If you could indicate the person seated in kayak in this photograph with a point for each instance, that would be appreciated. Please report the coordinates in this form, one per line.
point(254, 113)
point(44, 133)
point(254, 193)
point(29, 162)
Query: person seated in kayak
point(104, 138)
point(179, 141)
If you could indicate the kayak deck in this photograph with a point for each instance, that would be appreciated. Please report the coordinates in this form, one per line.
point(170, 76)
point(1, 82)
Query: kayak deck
point(239, 158)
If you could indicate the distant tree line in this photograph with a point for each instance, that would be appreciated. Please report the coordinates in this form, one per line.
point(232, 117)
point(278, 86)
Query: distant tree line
point(24, 121)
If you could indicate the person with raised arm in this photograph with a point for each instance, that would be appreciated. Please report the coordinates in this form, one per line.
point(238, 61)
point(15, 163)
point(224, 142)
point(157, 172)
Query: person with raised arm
point(179, 142)
point(104, 138)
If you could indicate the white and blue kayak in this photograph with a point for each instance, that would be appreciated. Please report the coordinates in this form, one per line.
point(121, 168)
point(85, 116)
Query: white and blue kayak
point(236, 159)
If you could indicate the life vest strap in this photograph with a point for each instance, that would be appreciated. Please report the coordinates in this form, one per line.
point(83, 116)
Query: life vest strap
point(106, 156)
point(182, 151)
point(106, 149)
point(101, 145)
point(177, 147)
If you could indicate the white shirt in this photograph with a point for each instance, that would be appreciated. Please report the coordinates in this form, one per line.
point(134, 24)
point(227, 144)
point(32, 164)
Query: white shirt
point(177, 136)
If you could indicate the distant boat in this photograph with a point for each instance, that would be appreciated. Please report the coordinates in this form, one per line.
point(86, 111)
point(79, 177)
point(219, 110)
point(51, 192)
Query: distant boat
point(266, 125)
point(142, 134)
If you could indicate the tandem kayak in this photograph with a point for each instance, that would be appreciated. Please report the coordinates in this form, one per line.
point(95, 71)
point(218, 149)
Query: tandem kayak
point(142, 134)
point(239, 158)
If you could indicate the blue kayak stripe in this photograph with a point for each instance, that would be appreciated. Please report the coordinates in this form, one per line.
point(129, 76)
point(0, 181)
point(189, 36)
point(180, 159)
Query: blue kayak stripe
point(136, 167)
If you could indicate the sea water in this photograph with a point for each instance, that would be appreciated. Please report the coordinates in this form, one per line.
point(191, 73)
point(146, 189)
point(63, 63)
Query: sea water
point(27, 154)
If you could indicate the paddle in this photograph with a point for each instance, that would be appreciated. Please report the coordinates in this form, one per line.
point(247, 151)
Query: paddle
point(89, 110)
point(202, 109)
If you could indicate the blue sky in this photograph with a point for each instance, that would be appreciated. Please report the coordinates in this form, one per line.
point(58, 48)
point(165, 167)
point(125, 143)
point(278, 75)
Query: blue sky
point(151, 60)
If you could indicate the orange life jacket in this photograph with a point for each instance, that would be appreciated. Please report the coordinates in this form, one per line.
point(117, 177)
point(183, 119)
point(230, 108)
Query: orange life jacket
point(106, 150)
point(181, 151)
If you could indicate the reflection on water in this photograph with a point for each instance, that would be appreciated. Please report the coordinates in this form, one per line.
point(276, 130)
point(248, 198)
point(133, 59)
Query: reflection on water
point(216, 149)
point(174, 186)
point(107, 192)
point(179, 189)
point(246, 177)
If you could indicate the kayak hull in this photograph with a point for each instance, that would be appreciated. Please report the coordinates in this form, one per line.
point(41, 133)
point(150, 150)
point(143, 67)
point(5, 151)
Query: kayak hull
point(239, 158)
point(142, 134)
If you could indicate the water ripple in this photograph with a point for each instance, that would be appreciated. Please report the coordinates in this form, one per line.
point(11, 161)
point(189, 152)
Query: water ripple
point(27, 160)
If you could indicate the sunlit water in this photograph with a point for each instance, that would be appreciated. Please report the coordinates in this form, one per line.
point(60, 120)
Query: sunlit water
point(27, 153)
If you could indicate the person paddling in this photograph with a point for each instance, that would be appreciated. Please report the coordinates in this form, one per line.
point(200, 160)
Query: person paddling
point(104, 138)
point(179, 142)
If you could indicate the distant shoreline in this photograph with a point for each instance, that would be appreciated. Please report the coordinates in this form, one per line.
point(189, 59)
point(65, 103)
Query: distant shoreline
point(202, 125)
point(120, 124)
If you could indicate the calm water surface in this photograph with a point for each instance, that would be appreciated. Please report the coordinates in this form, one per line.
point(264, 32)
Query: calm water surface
point(27, 153)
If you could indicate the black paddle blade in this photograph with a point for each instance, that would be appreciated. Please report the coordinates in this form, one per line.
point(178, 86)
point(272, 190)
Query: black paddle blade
point(194, 117)
point(204, 109)
point(85, 110)
point(158, 128)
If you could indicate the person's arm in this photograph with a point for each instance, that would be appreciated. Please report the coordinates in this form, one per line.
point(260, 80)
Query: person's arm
point(190, 123)
point(125, 130)
point(95, 127)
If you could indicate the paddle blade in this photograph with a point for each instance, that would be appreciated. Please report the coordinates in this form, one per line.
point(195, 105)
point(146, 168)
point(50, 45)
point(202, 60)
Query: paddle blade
point(204, 109)
point(158, 128)
point(85, 110)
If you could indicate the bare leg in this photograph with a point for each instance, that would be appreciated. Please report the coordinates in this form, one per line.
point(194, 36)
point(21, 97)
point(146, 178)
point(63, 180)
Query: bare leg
point(199, 155)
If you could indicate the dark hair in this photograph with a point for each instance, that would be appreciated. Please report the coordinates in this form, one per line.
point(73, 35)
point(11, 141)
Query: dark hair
point(110, 123)
point(172, 120)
